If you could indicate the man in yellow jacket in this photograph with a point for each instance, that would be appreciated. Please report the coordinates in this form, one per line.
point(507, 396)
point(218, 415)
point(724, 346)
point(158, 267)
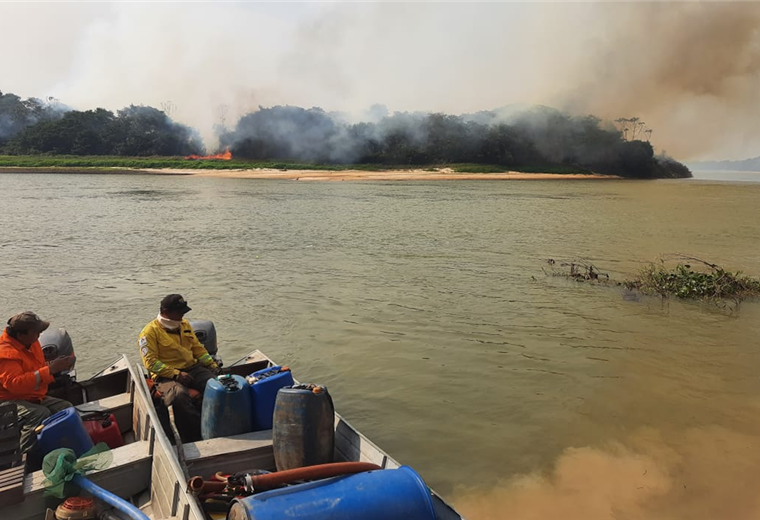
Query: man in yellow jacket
point(177, 361)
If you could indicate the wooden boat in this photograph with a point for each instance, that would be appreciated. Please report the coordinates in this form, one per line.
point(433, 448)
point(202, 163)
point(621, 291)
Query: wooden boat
point(152, 474)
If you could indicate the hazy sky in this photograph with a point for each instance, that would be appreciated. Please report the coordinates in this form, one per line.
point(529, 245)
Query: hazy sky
point(690, 70)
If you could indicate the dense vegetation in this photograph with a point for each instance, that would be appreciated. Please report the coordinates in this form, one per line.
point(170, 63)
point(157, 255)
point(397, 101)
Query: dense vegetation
point(542, 139)
point(673, 276)
point(16, 114)
point(30, 127)
point(682, 281)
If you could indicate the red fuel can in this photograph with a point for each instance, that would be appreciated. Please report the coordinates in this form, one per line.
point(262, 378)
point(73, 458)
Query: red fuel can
point(103, 428)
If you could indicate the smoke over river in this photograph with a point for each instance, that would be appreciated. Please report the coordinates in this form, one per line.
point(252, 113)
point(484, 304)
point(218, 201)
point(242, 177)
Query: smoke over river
point(689, 70)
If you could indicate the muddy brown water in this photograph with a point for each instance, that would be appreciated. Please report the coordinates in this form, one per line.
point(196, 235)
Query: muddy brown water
point(424, 308)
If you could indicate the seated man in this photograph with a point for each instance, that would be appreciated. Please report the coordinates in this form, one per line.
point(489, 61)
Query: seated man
point(177, 361)
point(24, 375)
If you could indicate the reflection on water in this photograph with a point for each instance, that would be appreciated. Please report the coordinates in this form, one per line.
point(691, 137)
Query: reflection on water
point(424, 309)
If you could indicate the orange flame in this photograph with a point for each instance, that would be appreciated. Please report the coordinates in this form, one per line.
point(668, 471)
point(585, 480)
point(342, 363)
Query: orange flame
point(226, 156)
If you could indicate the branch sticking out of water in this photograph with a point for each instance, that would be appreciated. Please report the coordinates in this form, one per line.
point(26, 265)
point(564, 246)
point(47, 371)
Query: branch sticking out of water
point(580, 271)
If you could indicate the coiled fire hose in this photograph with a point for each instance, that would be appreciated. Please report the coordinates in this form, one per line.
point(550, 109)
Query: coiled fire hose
point(257, 483)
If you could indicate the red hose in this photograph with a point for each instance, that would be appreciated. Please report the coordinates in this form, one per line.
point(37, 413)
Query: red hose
point(272, 480)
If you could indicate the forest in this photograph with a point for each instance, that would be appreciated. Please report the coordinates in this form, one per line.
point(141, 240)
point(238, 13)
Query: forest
point(539, 139)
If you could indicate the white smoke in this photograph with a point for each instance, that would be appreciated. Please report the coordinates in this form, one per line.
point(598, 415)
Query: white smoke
point(689, 70)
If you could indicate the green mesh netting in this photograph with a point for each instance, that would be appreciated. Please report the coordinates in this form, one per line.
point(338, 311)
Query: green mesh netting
point(61, 465)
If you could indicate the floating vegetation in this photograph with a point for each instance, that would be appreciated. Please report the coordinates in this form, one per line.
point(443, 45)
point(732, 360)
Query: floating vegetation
point(710, 282)
point(673, 276)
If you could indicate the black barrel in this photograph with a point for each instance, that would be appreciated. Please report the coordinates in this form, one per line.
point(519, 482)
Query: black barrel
point(303, 427)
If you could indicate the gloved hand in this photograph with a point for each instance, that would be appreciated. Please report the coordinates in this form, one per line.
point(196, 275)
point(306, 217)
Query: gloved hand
point(184, 378)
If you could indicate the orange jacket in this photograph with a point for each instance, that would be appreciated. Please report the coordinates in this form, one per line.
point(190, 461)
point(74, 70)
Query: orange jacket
point(24, 376)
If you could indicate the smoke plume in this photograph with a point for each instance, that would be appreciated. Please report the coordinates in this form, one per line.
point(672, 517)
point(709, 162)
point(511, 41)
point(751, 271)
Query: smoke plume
point(700, 474)
point(691, 71)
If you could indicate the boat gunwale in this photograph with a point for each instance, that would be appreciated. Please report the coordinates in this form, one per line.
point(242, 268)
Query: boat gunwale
point(162, 441)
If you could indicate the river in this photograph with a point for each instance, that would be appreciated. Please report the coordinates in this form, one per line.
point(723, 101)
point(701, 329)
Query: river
point(425, 309)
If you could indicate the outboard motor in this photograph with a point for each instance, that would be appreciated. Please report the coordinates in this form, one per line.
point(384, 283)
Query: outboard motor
point(206, 334)
point(57, 343)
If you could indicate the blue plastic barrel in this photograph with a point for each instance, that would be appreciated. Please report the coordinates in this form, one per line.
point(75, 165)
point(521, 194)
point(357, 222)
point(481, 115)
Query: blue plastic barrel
point(64, 429)
point(226, 408)
point(264, 389)
point(388, 494)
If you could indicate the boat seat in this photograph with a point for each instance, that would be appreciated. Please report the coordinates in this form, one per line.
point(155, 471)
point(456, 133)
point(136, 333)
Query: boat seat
point(230, 454)
point(127, 475)
point(119, 405)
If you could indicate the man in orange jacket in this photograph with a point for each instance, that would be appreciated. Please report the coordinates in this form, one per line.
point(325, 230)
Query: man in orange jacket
point(24, 375)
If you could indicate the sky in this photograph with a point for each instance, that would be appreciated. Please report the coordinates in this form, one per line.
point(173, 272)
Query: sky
point(690, 70)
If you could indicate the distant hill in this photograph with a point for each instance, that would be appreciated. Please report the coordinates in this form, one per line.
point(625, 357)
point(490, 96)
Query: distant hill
point(746, 165)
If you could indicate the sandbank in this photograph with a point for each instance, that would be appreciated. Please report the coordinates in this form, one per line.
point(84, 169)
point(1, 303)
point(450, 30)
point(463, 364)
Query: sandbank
point(439, 174)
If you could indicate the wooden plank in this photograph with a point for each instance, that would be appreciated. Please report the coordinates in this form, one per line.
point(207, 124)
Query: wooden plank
point(163, 471)
point(354, 447)
point(10, 436)
point(263, 458)
point(10, 476)
point(125, 455)
point(165, 483)
point(140, 419)
point(163, 449)
point(226, 445)
point(128, 474)
point(175, 498)
point(159, 491)
point(107, 404)
point(12, 484)
point(230, 454)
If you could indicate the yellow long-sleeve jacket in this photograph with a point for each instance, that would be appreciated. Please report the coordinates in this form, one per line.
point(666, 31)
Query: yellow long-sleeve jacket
point(165, 353)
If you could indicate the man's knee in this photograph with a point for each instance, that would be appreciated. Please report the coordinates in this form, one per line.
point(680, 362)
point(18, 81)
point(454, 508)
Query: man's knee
point(201, 375)
point(55, 405)
point(173, 392)
point(31, 415)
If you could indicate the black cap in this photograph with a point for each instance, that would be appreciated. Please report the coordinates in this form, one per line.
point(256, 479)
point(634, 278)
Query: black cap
point(175, 302)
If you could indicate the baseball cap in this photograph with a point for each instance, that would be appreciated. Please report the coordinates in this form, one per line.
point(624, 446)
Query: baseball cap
point(28, 320)
point(175, 302)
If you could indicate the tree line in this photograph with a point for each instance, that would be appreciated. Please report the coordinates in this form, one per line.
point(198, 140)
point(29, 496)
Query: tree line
point(30, 127)
point(541, 138)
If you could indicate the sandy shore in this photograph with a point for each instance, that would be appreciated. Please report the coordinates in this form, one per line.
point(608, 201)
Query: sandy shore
point(441, 174)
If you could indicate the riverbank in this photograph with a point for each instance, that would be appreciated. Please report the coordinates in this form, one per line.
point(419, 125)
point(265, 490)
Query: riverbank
point(245, 169)
point(433, 174)
point(442, 174)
